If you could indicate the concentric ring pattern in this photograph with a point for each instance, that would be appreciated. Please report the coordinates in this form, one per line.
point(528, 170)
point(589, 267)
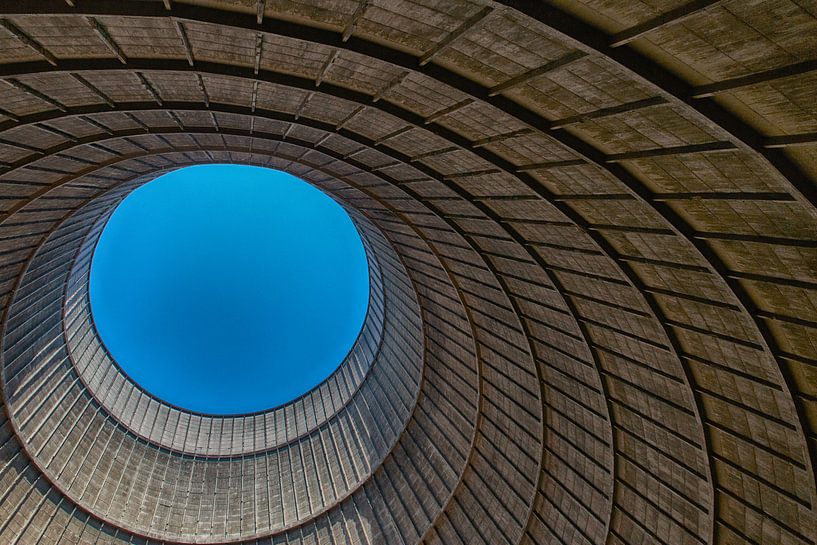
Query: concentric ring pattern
point(592, 237)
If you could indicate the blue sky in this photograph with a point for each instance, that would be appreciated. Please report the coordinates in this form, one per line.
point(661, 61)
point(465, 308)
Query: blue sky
point(229, 289)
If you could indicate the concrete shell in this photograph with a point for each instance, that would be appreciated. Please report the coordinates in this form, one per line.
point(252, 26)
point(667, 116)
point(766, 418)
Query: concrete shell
point(592, 231)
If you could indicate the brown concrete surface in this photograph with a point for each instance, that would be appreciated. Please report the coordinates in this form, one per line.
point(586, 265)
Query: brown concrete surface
point(592, 230)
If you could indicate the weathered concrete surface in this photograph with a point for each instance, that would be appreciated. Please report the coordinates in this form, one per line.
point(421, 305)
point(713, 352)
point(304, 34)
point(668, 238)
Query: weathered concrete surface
point(605, 211)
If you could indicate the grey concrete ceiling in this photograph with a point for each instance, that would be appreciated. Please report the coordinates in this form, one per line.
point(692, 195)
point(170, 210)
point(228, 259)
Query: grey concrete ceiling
point(595, 223)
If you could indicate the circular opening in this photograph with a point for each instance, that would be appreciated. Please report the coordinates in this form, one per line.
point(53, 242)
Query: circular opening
point(229, 289)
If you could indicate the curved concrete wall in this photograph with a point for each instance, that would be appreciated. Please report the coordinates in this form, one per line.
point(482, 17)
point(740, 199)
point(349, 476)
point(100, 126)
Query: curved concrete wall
point(606, 210)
